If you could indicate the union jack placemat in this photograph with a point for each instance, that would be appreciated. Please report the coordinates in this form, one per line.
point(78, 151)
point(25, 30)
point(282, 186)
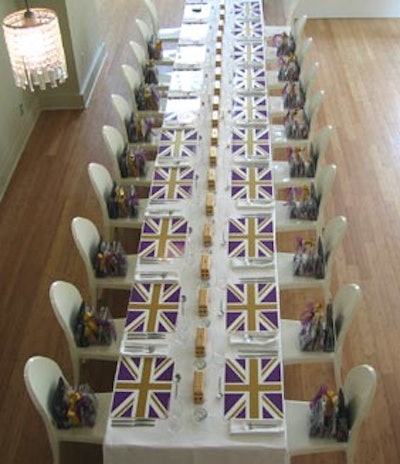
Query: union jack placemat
point(252, 307)
point(248, 30)
point(153, 307)
point(177, 143)
point(251, 237)
point(247, 10)
point(253, 389)
point(142, 387)
point(249, 53)
point(251, 183)
point(249, 80)
point(163, 237)
point(250, 141)
point(172, 183)
point(248, 109)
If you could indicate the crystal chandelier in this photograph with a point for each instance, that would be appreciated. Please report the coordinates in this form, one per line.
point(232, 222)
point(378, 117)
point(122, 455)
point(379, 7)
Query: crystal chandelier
point(35, 48)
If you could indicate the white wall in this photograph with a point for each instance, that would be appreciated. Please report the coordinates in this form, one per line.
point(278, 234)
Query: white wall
point(348, 8)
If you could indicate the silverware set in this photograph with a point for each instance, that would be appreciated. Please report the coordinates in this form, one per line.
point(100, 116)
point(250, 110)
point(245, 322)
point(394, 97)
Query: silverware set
point(132, 422)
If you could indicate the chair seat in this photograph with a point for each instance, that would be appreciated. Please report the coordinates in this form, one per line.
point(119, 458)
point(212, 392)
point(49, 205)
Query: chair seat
point(282, 178)
point(280, 140)
point(105, 352)
point(275, 107)
point(131, 223)
point(168, 57)
point(120, 283)
point(299, 442)
point(291, 352)
point(90, 434)
point(285, 224)
point(273, 83)
point(169, 34)
point(144, 181)
point(289, 281)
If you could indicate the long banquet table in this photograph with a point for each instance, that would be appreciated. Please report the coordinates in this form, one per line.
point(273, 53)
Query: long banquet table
point(217, 101)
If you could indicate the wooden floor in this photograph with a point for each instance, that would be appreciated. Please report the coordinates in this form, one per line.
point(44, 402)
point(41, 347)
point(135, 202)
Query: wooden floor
point(360, 65)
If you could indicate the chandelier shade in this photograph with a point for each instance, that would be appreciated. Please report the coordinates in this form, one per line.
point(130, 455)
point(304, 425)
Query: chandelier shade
point(35, 48)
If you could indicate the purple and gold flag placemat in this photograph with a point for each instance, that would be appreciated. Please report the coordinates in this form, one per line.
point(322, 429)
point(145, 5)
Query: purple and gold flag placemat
point(250, 141)
point(172, 183)
point(177, 143)
point(153, 307)
point(163, 237)
point(253, 389)
point(250, 109)
point(251, 183)
point(248, 30)
point(249, 80)
point(250, 53)
point(142, 387)
point(252, 307)
point(247, 10)
point(251, 237)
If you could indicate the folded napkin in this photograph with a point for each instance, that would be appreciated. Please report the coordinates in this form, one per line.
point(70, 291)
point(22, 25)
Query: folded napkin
point(256, 426)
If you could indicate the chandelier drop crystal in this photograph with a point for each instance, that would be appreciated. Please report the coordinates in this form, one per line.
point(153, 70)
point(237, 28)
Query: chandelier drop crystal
point(35, 48)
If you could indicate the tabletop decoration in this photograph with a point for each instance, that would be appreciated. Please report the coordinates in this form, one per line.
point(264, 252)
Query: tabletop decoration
point(253, 389)
point(251, 237)
point(153, 308)
point(250, 142)
point(248, 30)
point(247, 10)
point(182, 112)
point(249, 54)
point(171, 183)
point(177, 144)
point(250, 109)
point(251, 183)
point(249, 80)
point(142, 387)
point(186, 81)
point(252, 307)
point(194, 33)
point(163, 237)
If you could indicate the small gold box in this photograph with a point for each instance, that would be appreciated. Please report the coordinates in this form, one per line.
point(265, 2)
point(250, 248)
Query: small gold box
point(219, 36)
point(210, 204)
point(205, 264)
point(207, 234)
point(203, 302)
point(215, 103)
point(221, 25)
point(218, 60)
point(198, 387)
point(218, 47)
point(214, 137)
point(215, 119)
point(218, 75)
point(211, 179)
point(200, 343)
point(212, 158)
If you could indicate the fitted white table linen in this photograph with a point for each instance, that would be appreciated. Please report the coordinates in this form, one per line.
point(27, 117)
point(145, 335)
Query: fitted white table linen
point(179, 438)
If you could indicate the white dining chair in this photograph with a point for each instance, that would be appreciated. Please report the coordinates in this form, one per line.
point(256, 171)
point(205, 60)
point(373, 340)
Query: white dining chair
point(115, 146)
point(125, 114)
point(331, 238)
point(278, 136)
point(168, 55)
point(319, 143)
point(323, 183)
point(166, 34)
point(139, 52)
point(66, 300)
point(344, 305)
point(103, 184)
point(302, 50)
point(276, 106)
point(87, 240)
point(134, 80)
point(294, 27)
point(359, 391)
point(41, 376)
